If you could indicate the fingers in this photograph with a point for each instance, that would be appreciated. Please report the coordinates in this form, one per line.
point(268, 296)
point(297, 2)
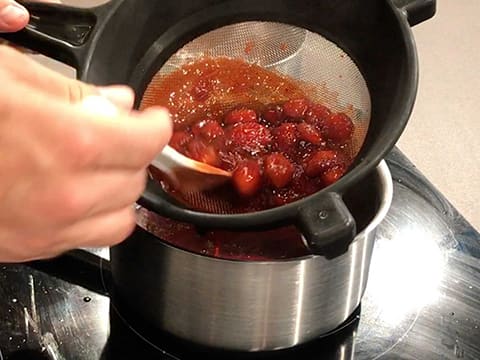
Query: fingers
point(74, 159)
point(130, 142)
point(104, 230)
point(24, 70)
point(120, 96)
point(13, 16)
point(103, 138)
point(91, 137)
point(88, 135)
point(80, 197)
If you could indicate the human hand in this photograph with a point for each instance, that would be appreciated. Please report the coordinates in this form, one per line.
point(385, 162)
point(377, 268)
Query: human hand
point(13, 16)
point(71, 169)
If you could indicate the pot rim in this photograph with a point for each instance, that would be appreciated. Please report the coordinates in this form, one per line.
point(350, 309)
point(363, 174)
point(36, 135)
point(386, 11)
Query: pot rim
point(387, 196)
point(387, 183)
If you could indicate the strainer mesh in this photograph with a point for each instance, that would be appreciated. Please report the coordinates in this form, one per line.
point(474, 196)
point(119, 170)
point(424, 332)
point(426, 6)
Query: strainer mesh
point(318, 68)
point(328, 74)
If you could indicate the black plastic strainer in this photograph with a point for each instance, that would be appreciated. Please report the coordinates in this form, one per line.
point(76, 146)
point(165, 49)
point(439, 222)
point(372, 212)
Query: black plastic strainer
point(130, 41)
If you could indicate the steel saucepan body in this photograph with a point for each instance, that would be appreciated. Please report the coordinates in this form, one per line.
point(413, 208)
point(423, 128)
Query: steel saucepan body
point(243, 305)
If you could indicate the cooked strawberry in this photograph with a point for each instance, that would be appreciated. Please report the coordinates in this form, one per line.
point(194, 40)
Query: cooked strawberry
point(247, 178)
point(198, 150)
point(250, 137)
point(278, 169)
point(286, 136)
point(321, 161)
point(179, 140)
point(295, 108)
point(332, 175)
point(309, 133)
point(241, 116)
point(273, 115)
point(338, 128)
point(207, 129)
point(317, 114)
point(283, 197)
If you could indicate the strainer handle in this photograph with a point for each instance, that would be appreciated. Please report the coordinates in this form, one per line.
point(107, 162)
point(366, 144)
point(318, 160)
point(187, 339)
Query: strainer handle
point(60, 32)
point(417, 11)
point(327, 226)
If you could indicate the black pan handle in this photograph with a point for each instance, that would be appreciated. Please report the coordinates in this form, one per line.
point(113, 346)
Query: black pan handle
point(327, 226)
point(60, 32)
point(417, 11)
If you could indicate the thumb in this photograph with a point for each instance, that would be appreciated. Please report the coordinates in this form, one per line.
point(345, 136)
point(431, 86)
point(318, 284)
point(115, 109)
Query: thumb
point(13, 16)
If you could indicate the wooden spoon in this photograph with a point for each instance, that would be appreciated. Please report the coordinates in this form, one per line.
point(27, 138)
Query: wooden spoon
point(188, 175)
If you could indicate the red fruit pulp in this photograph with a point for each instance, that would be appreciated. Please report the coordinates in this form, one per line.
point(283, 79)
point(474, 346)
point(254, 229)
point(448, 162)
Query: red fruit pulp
point(286, 136)
point(338, 128)
point(279, 170)
point(320, 162)
point(295, 108)
point(247, 178)
point(309, 133)
point(279, 144)
point(317, 114)
point(273, 115)
point(249, 137)
point(209, 130)
point(241, 115)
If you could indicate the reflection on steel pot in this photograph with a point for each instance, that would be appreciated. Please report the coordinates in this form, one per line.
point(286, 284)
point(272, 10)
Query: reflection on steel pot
point(251, 305)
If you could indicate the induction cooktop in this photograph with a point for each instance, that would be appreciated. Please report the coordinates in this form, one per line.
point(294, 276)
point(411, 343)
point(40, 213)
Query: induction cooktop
point(422, 300)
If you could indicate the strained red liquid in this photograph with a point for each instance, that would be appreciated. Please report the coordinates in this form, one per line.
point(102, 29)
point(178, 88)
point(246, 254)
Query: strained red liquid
point(278, 244)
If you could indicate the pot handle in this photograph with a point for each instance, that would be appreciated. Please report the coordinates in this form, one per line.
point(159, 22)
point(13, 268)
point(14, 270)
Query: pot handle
point(60, 32)
point(327, 226)
point(417, 11)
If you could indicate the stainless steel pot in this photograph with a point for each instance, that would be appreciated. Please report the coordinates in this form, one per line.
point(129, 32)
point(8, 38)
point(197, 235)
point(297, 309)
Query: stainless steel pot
point(250, 306)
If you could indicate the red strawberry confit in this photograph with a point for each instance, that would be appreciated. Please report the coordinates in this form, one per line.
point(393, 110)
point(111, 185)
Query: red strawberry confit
point(295, 108)
point(317, 115)
point(308, 133)
point(198, 150)
point(320, 162)
point(278, 169)
point(286, 136)
point(179, 140)
point(247, 178)
point(207, 129)
point(250, 137)
point(338, 128)
point(241, 116)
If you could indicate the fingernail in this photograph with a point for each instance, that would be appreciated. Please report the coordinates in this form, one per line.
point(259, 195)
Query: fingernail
point(120, 95)
point(13, 17)
point(99, 105)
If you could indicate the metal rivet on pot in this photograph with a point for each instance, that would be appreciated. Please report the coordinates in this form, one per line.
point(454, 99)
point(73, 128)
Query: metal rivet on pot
point(323, 214)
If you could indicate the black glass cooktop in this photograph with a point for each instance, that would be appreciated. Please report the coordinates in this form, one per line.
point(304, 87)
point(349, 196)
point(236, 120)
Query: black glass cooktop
point(422, 299)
